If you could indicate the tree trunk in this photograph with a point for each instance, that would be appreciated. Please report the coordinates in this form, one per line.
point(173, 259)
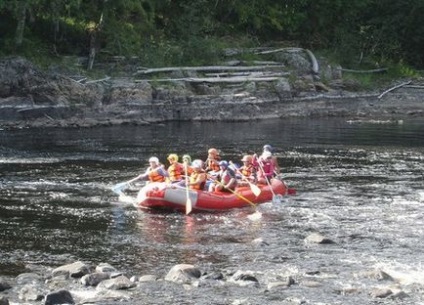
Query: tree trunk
point(93, 37)
point(21, 16)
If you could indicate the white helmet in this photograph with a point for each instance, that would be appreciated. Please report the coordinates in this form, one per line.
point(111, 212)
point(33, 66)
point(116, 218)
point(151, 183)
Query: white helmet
point(154, 160)
point(266, 155)
point(197, 164)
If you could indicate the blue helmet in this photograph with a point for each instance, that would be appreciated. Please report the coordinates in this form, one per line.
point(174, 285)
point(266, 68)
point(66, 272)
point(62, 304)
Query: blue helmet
point(267, 147)
point(223, 163)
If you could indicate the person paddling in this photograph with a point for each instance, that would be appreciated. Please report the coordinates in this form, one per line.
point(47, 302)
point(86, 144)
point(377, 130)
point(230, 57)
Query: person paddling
point(212, 162)
point(175, 169)
point(270, 149)
point(197, 178)
point(155, 172)
point(265, 167)
point(247, 171)
point(226, 180)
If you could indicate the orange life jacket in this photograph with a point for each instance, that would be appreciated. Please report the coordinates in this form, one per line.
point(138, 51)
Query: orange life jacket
point(247, 171)
point(154, 176)
point(175, 171)
point(195, 177)
point(213, 165)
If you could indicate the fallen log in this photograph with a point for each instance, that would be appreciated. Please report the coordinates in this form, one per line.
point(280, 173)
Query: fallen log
point(237, 79)
point(210, 68)
point(364, 71)
point(393, 88)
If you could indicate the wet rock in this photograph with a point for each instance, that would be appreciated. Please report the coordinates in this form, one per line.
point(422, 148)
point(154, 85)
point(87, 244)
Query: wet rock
point(28, 279)
point(31, 293)
point(4, 285)
point(214, 275)
point(59, 297)
point(75, 270)
point(381, 292)
point(183, 274)
point(93, 279)
point(105, 267)
point(316, 238)
point(4, 301)
point(118, 283)
point(244, 278)
point(311, 284)
point(281, 284)
point(148, 278)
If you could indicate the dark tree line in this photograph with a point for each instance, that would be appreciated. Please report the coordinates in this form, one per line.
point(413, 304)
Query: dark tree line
point(181, 31)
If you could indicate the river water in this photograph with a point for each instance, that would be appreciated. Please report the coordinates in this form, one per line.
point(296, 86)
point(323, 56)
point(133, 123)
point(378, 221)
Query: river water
point(359, 184)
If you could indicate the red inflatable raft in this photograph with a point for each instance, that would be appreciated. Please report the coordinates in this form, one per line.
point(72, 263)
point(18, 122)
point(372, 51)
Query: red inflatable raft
point(171, 197)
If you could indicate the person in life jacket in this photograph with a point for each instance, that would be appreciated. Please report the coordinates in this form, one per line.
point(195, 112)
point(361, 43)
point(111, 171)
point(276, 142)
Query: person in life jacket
point(264, 166)
point(269, 148)
point(226, 180)
point(197, 178)
point(155, 172)
point(212, 162)
point(187, 162)
point(175, 169)
point(247, 171)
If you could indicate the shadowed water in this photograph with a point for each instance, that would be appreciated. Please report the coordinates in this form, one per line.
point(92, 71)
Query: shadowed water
point(360, 185)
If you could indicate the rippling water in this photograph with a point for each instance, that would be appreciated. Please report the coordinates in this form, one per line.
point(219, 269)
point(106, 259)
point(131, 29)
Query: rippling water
point(359, 184)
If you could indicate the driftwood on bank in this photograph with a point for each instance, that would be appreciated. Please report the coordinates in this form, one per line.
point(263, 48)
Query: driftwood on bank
point(210, 68)
point(393, 88)
point(235, 79)
point(364, 71)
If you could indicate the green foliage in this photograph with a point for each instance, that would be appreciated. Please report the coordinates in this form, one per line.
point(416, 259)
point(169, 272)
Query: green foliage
point(169, 32)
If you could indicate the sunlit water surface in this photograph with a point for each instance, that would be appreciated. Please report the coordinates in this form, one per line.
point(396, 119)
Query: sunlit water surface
point(360, 185)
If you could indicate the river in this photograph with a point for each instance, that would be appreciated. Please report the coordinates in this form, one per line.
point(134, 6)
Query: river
point(359, 184)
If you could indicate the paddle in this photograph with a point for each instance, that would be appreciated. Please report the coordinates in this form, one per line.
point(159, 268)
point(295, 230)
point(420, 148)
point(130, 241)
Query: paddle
point(188, 202)
point(291, 190)
point(237, 194)
point(255, 189)
point(275, 199)
point(118, 188)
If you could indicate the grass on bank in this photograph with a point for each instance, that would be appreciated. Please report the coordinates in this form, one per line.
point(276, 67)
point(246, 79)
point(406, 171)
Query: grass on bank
point(196, 52)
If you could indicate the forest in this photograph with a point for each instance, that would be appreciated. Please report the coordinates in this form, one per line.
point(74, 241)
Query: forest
point(359, 33)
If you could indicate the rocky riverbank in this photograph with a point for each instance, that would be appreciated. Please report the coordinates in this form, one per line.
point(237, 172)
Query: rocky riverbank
point(30, 97)
point(83, 283)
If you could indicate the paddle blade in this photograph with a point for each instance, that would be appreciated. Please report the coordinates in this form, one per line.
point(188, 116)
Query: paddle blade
point(276, 199)
point(188, 206)
point(117, 189)
point(255, 189)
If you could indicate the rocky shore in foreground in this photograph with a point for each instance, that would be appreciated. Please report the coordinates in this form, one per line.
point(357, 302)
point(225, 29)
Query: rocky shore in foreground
point(83, 283)
point(30, 97)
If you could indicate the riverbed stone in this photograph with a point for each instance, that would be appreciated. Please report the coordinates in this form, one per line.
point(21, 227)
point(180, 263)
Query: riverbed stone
point(59, 297)
point(118, 283)
point(380, 292)
point(317, 238)
point(183, 274)
point(75, 270)
point(93, 279)
point(31, 293)
point(105, 267)
point(4, 284)
point(28, 278)
point(4, 301)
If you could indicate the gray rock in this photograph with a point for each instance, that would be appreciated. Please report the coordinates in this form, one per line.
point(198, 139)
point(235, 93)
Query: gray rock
point(317, 238)
point(76, 270)
point(183, 274)
point(118, 283)
point(93, 279)
point(59, 297)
